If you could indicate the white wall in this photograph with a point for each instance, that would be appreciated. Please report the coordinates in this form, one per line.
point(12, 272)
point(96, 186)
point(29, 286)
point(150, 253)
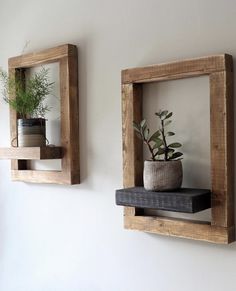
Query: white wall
point(72, 238)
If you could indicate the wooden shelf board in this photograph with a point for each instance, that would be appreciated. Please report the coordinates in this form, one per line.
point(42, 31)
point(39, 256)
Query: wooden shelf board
point(185, 200)
point(31, 153)
point(189, 229)
point(40, 176)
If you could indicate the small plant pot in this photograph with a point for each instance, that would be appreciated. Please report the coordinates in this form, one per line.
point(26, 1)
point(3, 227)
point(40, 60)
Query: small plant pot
point(162, 175)
point(31, 132)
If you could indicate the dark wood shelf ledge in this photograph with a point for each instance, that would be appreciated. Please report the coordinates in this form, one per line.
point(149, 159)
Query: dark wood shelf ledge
point(31, 153)
point(187, 200)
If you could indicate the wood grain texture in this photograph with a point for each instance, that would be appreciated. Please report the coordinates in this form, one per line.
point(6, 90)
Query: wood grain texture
point(31, 153)
point(185, 200)
point(43, 57)
point(222, 148)
point(70, 117)
point(132, 146)
point(67, 56)
point(220, 70)
point(178, 70)
point(181, 228)
point(16, 164)
point(36, 176)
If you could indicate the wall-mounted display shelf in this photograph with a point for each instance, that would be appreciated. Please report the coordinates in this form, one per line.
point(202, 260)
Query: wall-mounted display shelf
point(67, 57)
point(185, 200)
point(219, 68)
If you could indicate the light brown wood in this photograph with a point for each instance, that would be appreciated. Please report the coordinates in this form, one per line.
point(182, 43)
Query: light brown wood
point(132, 146)
point(36, 176)
point(43, 57)
point(220, 71)
point(181, 228)
point(16, 164)
point(67, 56)
point(222, 148)
point(31, 153)
point(70, 106)
point(178, 70)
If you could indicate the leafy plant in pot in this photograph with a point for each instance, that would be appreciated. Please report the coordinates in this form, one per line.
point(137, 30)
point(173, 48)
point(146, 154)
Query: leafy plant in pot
point(164, 170)
point(29, 103)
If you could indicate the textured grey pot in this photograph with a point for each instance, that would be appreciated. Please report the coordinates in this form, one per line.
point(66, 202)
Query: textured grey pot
point(162, 175)
point(31, 132)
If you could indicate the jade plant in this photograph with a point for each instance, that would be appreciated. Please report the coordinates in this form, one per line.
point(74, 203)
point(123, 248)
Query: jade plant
point(29, 101)
point(157, 143)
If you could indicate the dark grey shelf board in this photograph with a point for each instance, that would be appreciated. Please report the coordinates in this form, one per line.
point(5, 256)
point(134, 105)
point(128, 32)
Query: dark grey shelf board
point(187, 200)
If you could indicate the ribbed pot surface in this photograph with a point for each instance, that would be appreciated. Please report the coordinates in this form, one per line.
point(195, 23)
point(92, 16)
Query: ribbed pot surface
point(162, 175)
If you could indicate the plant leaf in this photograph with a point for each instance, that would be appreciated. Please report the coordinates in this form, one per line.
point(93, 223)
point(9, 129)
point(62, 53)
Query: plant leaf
point(176, 155)
point(167, 122)
point(175, 145)
point(158, 143)
point(170, 133)
point(146, 133)
point(169, 115)
point(163, 114)
point(161, 151)
point(155, 135)
point(143, 123)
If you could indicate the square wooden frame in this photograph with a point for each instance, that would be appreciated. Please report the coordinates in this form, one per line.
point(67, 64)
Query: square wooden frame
point(220, 71)
point(67, 57)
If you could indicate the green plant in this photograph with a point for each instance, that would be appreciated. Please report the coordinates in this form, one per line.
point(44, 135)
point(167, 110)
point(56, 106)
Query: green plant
point(157, 142)
point(29, 98)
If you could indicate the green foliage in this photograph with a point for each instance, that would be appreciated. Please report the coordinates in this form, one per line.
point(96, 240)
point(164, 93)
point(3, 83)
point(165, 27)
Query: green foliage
point(29, 98)
point(157, 142)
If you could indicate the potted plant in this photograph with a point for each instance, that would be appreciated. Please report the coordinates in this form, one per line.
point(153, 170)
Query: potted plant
point(29, 103)
point(163, 171)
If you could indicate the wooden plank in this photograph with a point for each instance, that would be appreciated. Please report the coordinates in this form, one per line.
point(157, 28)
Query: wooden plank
point(185, 200)
point(74, 117)
point(177, 70)
point(36, 176)
point(222, 148)
point(31, 153)
point(132, 146)
point(181, 228)
point(42, 57)
point(70, 117)
point(16, 164)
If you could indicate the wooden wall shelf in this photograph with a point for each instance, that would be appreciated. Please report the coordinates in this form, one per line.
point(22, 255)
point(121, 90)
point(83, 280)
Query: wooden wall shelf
point(182, 200)
point(31, 153)
point(67, 57)
point(219, 68)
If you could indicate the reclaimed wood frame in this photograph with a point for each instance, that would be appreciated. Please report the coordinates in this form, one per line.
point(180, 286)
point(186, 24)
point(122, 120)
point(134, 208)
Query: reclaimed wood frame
point(219, 68)
point(67, 57)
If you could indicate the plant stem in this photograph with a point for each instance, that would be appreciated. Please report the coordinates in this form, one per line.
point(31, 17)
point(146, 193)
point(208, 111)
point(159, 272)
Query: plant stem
point(164, 141)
